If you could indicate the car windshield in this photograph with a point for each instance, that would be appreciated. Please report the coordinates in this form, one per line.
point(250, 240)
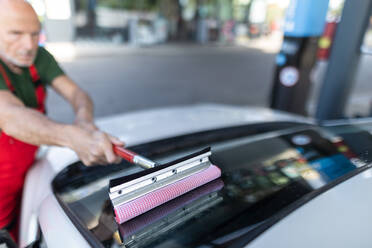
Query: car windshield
point(266, 174)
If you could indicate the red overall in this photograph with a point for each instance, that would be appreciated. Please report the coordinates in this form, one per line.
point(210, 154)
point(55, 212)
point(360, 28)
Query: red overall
point(16, 157)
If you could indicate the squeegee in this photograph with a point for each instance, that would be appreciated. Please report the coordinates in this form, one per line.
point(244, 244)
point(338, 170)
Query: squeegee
point(138, 193)
point(170, 215)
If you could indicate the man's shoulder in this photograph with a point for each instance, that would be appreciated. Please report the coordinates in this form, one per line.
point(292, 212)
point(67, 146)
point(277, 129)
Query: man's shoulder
point(45, 60)
point(43, 54)
point(48, 68)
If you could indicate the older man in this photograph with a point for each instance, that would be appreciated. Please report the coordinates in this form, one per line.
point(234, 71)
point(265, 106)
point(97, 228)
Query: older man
point(25, 71)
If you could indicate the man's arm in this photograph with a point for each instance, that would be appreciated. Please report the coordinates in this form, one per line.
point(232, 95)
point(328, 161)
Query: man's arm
point(83, 108)
point(32, 127)
point(79, 99)
point(29, 125)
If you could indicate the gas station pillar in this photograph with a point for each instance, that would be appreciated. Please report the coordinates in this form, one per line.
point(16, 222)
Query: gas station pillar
point(304, 24)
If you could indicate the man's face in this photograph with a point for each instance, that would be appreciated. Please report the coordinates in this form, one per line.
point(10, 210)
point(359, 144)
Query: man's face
point(19, 37)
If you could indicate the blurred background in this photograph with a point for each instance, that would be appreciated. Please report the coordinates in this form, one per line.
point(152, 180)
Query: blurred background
point(139, 54)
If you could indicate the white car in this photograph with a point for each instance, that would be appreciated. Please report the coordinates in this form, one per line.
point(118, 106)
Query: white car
point(286, 183)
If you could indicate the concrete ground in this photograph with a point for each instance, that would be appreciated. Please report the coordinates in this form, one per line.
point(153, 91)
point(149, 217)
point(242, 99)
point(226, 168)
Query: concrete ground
point(122, 79)
point(142, 78)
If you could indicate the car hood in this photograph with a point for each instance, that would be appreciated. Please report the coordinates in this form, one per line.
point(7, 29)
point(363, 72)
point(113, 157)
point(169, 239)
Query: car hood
point(149, 125)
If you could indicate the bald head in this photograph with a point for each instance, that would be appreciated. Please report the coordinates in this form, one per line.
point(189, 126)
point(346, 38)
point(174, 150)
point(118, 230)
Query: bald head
point(19, 32)
point(15, 5)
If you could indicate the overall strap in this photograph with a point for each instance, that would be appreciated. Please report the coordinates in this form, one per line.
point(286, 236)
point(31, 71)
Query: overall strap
point(6, 78)
point(39, 88)
point(34, 74)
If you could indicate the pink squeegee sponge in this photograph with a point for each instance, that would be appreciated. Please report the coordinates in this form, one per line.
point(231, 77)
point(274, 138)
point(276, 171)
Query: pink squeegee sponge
point(132, 226)
point(153, 199)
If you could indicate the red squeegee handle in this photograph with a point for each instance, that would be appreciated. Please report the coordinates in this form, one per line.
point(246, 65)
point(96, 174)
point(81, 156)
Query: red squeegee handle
point(125, 153)
point(133, 157)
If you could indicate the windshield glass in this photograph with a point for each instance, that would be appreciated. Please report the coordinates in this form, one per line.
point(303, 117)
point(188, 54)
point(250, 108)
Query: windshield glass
point(265, 177)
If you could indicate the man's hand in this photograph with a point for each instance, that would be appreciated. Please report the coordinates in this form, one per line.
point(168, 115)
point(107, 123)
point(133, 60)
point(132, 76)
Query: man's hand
point(93, 146)
point(87, 125)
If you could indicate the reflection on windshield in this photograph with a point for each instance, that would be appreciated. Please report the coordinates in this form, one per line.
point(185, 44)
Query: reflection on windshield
point(261, 180)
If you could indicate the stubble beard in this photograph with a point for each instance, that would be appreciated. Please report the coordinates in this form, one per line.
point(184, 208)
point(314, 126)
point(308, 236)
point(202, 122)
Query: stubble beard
point(10, 60)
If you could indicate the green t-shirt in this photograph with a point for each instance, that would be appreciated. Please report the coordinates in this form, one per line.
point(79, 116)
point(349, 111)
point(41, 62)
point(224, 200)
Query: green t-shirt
point(48, 69)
